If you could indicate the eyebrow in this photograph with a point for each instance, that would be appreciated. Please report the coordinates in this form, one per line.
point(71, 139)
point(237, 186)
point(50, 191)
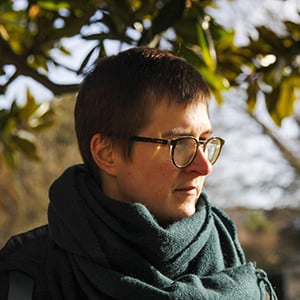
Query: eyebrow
point(183, 132)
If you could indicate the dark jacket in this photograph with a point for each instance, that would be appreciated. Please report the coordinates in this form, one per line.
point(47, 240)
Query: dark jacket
point(25, 253)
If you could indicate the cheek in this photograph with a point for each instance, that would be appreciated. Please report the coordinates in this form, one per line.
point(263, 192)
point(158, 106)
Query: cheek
point(163, 179)
point(166, 170)
point(155, 164)
point(157, 176)
point(153, 173)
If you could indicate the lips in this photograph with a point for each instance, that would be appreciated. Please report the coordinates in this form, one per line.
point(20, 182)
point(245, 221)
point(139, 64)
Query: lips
point(188, 189)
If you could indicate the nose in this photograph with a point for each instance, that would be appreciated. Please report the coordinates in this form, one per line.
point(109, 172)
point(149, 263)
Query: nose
point(200, 164)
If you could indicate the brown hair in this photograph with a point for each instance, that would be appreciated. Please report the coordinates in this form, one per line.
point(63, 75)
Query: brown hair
point(116, 96)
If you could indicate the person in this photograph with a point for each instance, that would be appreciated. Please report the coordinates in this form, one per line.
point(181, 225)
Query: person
point(133, 221)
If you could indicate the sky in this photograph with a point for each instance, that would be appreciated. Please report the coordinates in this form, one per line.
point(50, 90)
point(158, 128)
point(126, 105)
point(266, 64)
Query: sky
point(244, 15)
point(251, 171)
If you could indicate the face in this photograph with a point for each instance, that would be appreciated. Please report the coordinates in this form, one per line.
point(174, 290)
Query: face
point(150, 177)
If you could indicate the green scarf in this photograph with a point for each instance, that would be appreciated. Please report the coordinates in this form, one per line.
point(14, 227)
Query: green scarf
point(106, 249)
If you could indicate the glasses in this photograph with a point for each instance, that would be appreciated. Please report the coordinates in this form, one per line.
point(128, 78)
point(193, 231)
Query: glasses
point(183, 150)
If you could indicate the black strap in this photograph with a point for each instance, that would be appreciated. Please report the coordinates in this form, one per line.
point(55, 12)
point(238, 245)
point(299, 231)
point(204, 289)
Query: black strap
point(20, 286)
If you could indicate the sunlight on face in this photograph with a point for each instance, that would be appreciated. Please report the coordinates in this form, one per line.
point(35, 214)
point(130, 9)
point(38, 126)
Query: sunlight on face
point(150, 177)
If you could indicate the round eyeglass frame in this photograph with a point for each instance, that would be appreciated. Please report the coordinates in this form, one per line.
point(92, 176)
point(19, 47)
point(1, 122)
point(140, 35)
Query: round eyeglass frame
point(172, 144)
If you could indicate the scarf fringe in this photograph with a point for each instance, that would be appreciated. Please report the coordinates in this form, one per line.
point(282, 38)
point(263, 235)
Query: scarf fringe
point(265, 284)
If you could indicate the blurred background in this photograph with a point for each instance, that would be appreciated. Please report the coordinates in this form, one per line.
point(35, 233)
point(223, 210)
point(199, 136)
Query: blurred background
point(247, 50)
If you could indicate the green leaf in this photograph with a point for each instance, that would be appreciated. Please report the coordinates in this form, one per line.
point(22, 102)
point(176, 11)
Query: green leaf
point(206, 50)
point(24, 142)
point(218, 96)
point(166, 17)
point(169, 14)
point(28, 109)
point(8, 124)
point(217, 81)
point(87, 59)
point(189, 55)
point(271, 100)
point(286, 99)
point(64, 50)
point(53, 5)
point(39, 61)
point(4, 118)
point(187, 31)
point(42, 118)
point(9, 157)
point(252, 96)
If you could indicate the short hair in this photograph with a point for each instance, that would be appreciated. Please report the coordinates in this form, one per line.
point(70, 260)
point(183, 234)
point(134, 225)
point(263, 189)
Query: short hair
point(116, 96)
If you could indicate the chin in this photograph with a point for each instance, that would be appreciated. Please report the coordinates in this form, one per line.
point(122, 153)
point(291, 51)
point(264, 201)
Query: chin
point(186, 211)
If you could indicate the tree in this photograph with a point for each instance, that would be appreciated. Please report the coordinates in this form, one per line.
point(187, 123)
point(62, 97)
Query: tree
point(29, 34)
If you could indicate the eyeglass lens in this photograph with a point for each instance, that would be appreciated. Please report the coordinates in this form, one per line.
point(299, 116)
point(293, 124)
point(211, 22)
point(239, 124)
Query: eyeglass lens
point(185, 150)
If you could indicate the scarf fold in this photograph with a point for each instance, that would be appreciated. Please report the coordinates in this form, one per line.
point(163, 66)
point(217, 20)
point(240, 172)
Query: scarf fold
point(106, 249)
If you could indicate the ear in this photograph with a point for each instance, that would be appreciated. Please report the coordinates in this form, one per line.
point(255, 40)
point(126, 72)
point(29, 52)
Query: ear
point(103, 153)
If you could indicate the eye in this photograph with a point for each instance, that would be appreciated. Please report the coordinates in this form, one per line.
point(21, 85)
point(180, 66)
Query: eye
point(180, 144)
point(204, 137)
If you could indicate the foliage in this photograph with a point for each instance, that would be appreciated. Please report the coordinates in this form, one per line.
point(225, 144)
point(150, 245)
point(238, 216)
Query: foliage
point(281, 74)
point(257, 222)
point(29, 34)
point(17, 125)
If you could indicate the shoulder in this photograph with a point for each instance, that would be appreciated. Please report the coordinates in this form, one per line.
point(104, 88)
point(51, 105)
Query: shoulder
point(24, 251)
point(24, 242)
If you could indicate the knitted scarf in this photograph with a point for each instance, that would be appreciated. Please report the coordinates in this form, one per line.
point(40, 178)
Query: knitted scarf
point(106, 249)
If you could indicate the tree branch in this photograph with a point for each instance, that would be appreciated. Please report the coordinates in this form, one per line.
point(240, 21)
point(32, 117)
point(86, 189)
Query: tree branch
point(23, 68)
point(288, 154)
point(56, 89)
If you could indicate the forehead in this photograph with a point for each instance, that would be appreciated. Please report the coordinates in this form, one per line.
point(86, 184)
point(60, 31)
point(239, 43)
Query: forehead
point(172, 118)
